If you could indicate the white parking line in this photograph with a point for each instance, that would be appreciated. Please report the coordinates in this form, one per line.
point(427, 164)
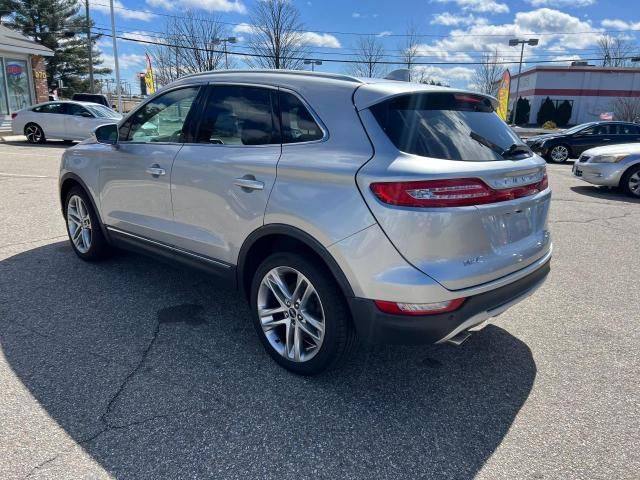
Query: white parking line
point(2, 174)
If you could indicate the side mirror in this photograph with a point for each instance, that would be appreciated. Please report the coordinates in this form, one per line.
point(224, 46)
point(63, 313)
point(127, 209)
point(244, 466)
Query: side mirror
point(107, 134)
point(86, 114)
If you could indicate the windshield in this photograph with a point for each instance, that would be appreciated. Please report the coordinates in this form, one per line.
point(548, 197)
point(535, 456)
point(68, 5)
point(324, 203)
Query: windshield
point(451, 126)
point(102, 111)
point(577, 128)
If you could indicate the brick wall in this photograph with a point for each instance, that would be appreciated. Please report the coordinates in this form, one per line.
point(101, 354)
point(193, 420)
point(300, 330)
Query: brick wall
point(40, 79)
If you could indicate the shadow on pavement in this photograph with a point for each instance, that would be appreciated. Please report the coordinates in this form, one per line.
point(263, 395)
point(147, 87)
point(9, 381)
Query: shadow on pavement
point(157, 373)
point(605, 193)
point(47, 144)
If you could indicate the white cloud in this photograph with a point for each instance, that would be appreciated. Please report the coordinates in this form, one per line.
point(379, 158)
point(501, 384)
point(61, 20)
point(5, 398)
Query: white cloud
point(125, 61)
point(451, 20)
point(614, 24)
point(319, 40)
point(443, 75)
point(140, 36)
point(482, 6)
point(386, 33)
point(121, 10)
point(561, 3)
point(244, 28)
point(209, 5)
point(356, 15)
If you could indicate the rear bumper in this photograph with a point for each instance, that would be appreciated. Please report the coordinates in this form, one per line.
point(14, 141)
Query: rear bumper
point(374, 326)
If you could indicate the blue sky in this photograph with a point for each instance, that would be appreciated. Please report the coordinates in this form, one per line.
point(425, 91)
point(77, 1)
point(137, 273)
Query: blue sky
point(454, 30)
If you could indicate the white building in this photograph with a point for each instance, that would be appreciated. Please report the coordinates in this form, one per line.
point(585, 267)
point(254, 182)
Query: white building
point(591, 90)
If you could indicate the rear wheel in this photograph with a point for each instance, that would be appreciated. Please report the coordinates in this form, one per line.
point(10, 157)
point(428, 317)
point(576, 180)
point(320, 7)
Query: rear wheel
point(558, 154)
point(83, 227)
point(300, 314)
point(34, 133)
point(631, 181)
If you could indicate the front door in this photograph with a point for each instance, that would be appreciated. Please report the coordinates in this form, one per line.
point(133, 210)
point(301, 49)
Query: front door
point(221, 184)
point(135, 175)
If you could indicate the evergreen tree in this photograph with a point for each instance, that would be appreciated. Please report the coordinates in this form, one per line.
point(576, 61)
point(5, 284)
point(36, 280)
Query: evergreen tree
point(547, 112)
point(563, 113)
point(61, 26)
point(524, 110)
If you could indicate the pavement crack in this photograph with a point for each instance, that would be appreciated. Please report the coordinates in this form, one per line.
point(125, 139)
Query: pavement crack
point(128, 378)
point(43, 464)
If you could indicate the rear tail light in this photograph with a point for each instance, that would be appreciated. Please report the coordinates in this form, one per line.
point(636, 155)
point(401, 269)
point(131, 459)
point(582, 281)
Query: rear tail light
point(14, 115)
point(459, 192)
point(419, 308)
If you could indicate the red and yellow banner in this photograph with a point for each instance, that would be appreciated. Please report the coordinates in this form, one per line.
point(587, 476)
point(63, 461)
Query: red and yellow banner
point(148, 77)
point(503, 95)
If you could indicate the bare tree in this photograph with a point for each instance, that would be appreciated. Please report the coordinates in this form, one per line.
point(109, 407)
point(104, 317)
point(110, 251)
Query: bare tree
point(615, 51)
point(626, 109)
point(277, 36)
point(488, 73)
point(410, 49)
point(191, 47)
point(370, 53)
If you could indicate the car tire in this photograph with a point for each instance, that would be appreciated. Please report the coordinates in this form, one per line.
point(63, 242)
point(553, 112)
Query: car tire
point(630, 182)
point(34, 133)
point(559, 154)
point(83, 226)
point(306, 330)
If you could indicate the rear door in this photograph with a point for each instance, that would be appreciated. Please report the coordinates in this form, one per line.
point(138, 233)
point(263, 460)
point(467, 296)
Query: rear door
point(51, 118)
point(452, 205)
point(221, 182)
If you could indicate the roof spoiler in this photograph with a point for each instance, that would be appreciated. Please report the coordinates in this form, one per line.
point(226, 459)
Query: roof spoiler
point(402, 75)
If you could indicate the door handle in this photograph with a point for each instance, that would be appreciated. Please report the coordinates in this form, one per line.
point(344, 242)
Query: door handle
point(156, 170)
point(248, 183)
point(606, 139)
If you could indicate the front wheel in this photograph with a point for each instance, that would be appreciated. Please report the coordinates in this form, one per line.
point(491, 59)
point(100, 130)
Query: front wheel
point(300, 314)
point(558, 154)
point(83, 227)
point(631, 181)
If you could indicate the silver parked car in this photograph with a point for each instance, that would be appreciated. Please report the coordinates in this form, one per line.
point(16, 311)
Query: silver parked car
point(611, 166)
point(342, 208)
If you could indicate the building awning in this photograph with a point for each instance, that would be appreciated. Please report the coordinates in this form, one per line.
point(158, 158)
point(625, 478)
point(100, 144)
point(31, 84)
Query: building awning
point(15, 42)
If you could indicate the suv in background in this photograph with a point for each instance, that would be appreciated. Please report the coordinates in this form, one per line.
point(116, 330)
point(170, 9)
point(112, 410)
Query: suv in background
point(396, 212)
point(92, 98)
point(571, 143)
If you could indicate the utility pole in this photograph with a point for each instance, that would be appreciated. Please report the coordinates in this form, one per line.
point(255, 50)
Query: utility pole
point(115, 56)
point(512, 43)
point(89, 46)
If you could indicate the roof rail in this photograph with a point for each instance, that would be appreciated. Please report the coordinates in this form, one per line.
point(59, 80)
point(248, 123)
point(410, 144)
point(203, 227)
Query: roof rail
point(302, 73)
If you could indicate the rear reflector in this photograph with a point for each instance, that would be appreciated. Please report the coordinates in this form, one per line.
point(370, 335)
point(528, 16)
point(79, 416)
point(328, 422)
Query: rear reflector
point(419, 308)
point(459, 192)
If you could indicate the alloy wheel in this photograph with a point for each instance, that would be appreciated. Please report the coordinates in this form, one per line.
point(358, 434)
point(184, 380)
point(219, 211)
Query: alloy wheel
point(634, 184)
point(291, 314)
point(79, 224)
point(559, 154)
point(33, 134)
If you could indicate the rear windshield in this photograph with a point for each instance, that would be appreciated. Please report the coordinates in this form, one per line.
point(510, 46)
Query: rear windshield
point(451, 126)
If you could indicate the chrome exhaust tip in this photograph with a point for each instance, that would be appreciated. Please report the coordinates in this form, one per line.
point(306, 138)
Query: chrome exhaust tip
point(459, 339)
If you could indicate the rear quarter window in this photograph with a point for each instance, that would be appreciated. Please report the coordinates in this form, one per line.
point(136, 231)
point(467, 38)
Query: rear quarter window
point(451, 126)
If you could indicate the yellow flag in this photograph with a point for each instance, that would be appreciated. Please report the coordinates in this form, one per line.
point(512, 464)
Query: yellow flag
point(503, 95)
point(148, 76)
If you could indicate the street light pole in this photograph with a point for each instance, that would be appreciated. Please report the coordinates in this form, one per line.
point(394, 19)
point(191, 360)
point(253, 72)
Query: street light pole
point(89, 46)
point(224, 42)
point(512, 43)
point(313, 63)
point(115, 56)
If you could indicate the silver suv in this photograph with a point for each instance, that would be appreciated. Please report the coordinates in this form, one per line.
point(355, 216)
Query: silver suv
point(342, 208)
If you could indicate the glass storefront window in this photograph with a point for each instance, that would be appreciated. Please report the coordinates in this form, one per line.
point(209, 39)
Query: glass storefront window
point(17, 77)
point(3, 95)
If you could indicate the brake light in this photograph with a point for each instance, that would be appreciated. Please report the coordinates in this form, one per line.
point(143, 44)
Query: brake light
point(419, 308)
point(14, 115)
point(460, 192)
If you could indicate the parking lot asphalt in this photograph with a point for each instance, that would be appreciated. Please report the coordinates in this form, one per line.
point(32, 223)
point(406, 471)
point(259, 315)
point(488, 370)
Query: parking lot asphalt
point(131, 368)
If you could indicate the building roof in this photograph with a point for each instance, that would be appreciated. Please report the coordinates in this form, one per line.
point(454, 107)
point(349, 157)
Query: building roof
point(13, 41)
point(576, 69)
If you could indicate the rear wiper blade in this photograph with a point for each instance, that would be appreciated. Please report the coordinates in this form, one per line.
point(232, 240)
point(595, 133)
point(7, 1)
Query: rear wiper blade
point(486, 142)
point(515, 150)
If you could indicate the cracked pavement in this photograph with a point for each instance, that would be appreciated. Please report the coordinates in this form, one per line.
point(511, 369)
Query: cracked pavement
point(131, 368)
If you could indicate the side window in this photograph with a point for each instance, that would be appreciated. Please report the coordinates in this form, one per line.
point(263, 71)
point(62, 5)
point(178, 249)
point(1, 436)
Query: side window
point(239, 115)
point(162, 119)
point(627, 129)
point(588, 131)
point(52, 108)
point(298, 124)
point(75, 109)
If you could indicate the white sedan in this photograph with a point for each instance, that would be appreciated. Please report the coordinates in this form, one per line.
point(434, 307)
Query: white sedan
point(65, 120)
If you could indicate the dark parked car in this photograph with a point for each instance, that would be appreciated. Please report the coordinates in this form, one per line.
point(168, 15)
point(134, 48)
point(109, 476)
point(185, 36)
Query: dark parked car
point(92, 97)
point(559, 147)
